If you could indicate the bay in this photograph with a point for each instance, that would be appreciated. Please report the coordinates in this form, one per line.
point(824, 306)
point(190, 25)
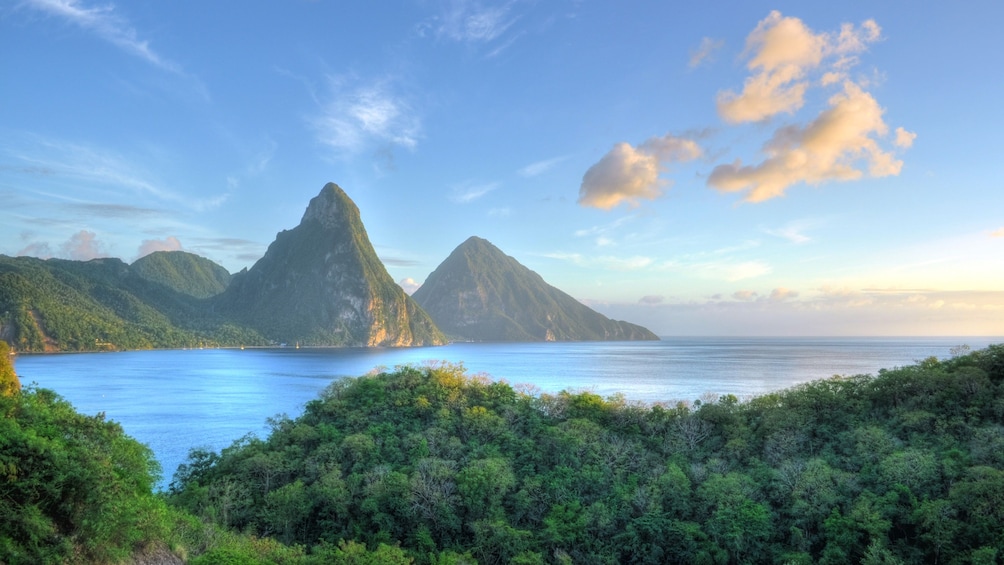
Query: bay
point(174, 400)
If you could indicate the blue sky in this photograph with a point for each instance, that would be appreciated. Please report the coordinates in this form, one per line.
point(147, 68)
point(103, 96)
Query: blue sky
point(728, 168)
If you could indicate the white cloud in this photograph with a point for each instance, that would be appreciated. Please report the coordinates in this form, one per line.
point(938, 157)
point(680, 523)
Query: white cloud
point(831, 147)
point(792, 231)
point(503, 212)
point(409, 285)
point(997, 233)
point(108, 25)
point(82, 246)
point(705, 51)
point(469, 192)
point(540, 167)
point(357, 116)
point(651, 299)
point(629, 174)
point(606, 262)
point(470, 21)
point(149, 246)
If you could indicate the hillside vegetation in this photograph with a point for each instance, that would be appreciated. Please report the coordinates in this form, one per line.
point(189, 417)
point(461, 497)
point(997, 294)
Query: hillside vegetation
point(102, 304)
point(434, 465)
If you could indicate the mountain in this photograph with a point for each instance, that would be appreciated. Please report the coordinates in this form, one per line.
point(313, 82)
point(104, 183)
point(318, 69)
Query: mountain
point(479, 293)
point(60, 305)
point(321, 283)
point(183, 272)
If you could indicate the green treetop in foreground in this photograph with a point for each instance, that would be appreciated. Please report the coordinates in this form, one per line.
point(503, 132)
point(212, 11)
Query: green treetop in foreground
point(437, 466)
point(9, 383)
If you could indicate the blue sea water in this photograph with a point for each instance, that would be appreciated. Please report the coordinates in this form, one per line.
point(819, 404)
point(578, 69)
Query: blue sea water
point(175, 400)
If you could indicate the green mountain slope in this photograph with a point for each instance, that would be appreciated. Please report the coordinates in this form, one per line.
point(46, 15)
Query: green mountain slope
point(183, 272)
point(479, 293)
point(59, 305)
point(321, 283)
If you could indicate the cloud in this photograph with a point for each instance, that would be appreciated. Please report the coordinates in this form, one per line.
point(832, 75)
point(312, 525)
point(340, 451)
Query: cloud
point(629, 174)
point(705, 51)
point(355, 117)
point(606, 262)
point(997, 233)
point(540, 167)
point(93, 164)
point(503, 212)
point(82, 246)
point(904, 139)
point(829, 148)
point(409, 285)
point(782, 51)
point(792, 231)
point(745, 295)
point(38, 249)
point(149, 246)
point(651, 299)
point(108, 25)
point(780, 294)
point(471, 22)
point(469, 192)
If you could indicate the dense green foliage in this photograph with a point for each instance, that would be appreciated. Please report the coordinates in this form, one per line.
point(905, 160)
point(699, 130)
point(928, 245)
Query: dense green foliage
point(183, 272)
point(9, 383)
point(58, 305)
point(481, 294)
point(905, 466)
point(73, 488)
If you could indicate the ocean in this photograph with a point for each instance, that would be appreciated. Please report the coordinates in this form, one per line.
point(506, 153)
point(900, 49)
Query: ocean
point(174, 400)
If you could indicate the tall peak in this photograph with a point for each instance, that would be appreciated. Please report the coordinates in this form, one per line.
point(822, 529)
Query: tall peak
point(330, 206)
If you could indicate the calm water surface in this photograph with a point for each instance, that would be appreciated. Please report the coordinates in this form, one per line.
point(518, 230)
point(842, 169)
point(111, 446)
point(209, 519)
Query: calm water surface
point(176, 400)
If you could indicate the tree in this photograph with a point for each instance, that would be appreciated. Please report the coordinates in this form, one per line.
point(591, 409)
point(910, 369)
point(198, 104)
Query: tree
point(9, 383)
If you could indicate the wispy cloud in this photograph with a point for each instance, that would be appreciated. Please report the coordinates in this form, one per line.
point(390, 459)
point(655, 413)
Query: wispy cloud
point(606, 262)
point(102, 167)
point(355, 115)
point(705, 52)
point(793, 231)
point(468, 192)
point(107, 24)
point(471, 21)
point(628, 174)
point(997, 233)
point(540, 167)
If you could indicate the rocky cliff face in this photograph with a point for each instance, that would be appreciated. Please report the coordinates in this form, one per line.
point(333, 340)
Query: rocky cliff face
point(479, 293)
point(321, 283)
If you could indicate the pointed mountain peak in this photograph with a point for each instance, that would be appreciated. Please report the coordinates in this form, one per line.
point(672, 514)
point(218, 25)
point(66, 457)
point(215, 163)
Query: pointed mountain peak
point(479, 293)
point(330, 207)
point(321, 283)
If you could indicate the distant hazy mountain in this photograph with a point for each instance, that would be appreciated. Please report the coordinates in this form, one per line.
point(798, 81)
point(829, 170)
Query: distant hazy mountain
point(479, 293)
point(321, 283)
point(184, 272)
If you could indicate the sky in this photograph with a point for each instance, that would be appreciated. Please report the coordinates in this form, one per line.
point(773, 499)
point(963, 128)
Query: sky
point(712, 168)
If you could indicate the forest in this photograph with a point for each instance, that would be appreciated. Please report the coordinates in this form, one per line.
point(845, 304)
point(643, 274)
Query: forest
point(431, 465)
